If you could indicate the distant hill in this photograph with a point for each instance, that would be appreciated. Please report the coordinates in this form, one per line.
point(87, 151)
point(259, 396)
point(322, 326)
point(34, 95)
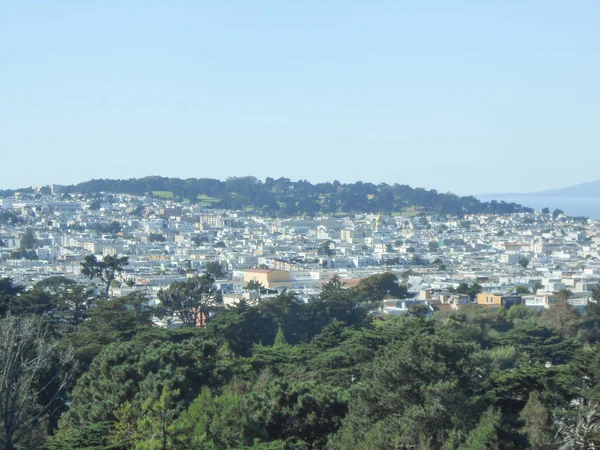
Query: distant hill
point(591, 188)
point(283, 197)
point(588, 189)
point(578, 200)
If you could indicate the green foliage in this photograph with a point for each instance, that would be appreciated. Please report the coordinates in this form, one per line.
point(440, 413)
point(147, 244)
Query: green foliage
point(8, 291)
point(155, 237)
point(285, 197)
point(125, 372)
point(190, 301)
point(433, 247)
point(537, 423)
point(523, 262)
point(212, 422)
point(419, 390)
point(215, 269)
point(157, 416)
point(9, 218)
point(378, 287)
point(23, 254)
point(110, 321)
point(485, 436)
point(325, 249)
point(518, 312)
point(254, 285)
point(106, 228)
point(106, 269)
point(285, 374)
point(28, 240)
point(471, 290)
point(561, 317)
point(280, 338)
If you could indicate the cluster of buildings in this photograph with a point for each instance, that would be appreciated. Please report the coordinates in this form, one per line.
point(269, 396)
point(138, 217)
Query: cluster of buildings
point(523, 258)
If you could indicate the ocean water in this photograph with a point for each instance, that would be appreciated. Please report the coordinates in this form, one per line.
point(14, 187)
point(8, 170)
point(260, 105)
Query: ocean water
point(588, 206)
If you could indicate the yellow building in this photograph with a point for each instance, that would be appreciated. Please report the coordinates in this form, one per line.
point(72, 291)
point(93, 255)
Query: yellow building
point(487, 299)
point(269, 278)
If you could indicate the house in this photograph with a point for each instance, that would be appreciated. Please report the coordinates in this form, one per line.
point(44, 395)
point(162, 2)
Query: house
point(396, 307)
point(498, 300)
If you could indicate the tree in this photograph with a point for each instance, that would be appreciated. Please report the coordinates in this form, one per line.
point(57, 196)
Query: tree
point(545, 211)
point(485, 436)
point(106, 269)
point(522, 290)
point(564, 294)
point(333, 286)
point(154, 427)
point(418, 311)
point(199, 240)
point(254, 285)
point(428, 380)
point(28, 240)
point(471, 291)
point(591, 316)
point(280, 338)
point(556, 213)
point(523, 262)
point(73, 303)
point(537, 423)
point(191, 301)
point(325, 249)
point(378, 287)
point(32, 370)
point(7, 292)
point(215, 422)
point(561, 317)
point(95, 205)
point(216, 269)
point(111, 320)
point(581, 431)
point(136, 372)
point(417, 261)
point(156, 237)
point(433, 247)
point(517, 312)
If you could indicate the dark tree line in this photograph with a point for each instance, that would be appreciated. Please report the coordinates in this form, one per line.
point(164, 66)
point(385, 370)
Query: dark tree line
point(285, 197)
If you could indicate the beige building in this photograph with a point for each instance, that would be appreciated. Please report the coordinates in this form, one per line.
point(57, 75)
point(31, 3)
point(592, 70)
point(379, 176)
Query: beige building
point(488, 299)
point(269, 278)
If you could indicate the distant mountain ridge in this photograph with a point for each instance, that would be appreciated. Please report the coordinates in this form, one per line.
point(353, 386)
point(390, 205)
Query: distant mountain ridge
point(578, 200)
point(589, 188)
point(283, 197)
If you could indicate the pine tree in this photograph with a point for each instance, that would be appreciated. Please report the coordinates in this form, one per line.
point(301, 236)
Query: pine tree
point(537, 422)
point(280, 338)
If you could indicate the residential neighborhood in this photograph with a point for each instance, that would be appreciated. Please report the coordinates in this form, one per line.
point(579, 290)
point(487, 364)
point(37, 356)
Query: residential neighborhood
point(523, 258)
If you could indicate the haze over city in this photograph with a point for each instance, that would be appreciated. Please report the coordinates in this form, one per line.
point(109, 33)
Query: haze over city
point(462, 97)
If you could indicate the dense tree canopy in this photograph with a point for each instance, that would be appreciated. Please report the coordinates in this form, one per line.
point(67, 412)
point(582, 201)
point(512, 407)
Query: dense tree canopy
point(284, 374)
point(285, 197)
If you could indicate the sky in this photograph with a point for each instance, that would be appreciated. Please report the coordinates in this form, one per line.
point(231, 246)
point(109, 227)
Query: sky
point(470, 97)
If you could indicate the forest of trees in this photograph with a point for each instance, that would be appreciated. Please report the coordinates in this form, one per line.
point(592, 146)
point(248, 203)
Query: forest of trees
point(284, 197)
point(291, 375)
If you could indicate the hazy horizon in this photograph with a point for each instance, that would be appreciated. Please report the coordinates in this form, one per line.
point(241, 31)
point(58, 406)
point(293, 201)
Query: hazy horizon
point(463, 98)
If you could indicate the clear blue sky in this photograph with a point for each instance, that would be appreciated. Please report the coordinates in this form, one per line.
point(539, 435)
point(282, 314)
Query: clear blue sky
point(462, 96)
